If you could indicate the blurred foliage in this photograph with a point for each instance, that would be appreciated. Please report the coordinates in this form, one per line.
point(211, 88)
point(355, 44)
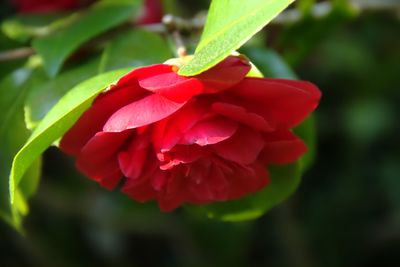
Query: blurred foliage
point(346, 211)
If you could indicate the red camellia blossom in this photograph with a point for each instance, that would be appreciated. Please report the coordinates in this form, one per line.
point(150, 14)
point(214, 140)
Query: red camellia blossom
point(40, 6)
point(198, 139)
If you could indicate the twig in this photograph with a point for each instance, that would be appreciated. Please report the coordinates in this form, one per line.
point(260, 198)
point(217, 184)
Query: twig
point(18, 53)
point(180, 46)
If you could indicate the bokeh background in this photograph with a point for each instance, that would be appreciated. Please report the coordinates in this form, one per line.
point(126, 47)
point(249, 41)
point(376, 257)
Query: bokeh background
point(345, 213)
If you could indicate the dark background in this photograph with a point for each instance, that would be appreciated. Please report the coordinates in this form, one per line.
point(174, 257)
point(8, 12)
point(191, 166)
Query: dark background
point(346, 211)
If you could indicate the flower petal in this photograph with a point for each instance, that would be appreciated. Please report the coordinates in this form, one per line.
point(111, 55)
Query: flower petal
point(93, 119)
point(210, 131)
point(140, 191)
point(181, 154)
point(243, 147)
point(225, 74)
point(143, 72)
point(170, 131)
point(172, 86)
point(247, 180)
point(180, 88)
point(283, 103)
point(241, 115)
point(143, 112)
point(132, 161)
point(98, 158)
point(282, 147)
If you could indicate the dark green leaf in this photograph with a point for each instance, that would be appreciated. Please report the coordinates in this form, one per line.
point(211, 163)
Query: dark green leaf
point(13, 134)
point(230, 23)
point(307, 132)
point(130, 49)
point(103, 16)
point(270, 63)
point(59, 119)
point(134, 48)
point(42, 97)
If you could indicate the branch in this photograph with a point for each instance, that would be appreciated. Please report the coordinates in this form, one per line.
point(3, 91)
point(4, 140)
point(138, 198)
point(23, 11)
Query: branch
point(18, 53)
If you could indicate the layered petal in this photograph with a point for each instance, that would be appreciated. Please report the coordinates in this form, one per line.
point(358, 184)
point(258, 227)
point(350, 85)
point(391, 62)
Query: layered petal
point(143, 73)
point(210, 131)
point(181, 154)
point(282, 147)
point(145, 111)
point(243, 147)
point(169, 132)
point(93, 119)
point(225, 74)
point(241, 115)
point(172, 86)
point(246, 180)
point(180, 88)
point(283, 103)
point(98, 158)
point(132, 161)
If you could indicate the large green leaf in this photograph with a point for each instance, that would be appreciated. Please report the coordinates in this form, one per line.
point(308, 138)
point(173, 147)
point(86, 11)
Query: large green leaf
point(59, 119)
point(283, 181)
point(230, 23)
point(134, 48)
point(103, 16)
point(42, 97)
point(13, 135)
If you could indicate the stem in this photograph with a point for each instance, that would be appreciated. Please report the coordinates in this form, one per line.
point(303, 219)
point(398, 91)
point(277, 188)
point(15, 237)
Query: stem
point(18, 53)
point(174, 27)
point(180, 46)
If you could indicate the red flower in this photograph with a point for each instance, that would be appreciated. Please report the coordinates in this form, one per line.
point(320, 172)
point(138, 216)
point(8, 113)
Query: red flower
point(152, 12)
point(197, 139)
point(39, 6)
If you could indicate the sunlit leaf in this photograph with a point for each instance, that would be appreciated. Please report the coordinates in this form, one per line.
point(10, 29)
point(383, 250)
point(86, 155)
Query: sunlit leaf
point(42, 97)
point(230, 23)
point(134, 48)
point(59, 119)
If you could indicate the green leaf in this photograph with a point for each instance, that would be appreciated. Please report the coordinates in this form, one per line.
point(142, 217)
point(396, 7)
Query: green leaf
point(42, 97)
point(307, 132)
point(103, 16)
point(13, 134)
point(134, 48)
point(230, 23)
point(284, 180)
point(270, 63)
point(25, 26)
point(59, 119)
point(130, 49)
